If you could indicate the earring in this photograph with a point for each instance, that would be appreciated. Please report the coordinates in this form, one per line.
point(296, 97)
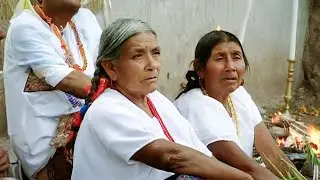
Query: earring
point(111, 84)
point(242, 82)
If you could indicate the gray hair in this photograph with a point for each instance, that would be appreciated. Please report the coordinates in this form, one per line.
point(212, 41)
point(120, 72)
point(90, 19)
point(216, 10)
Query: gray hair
point(116, 34)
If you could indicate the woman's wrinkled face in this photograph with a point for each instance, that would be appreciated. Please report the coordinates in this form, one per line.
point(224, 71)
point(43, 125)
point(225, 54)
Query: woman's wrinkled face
point(225, 68)
point(138, 68)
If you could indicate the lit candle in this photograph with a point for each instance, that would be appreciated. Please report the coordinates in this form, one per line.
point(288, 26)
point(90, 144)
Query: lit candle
point(244, 22)
point(292, 53)
point(218, 28)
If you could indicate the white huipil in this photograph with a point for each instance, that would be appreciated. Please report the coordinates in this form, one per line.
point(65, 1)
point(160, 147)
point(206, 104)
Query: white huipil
point(33, 116)
point(114, 129)
point(212, 122)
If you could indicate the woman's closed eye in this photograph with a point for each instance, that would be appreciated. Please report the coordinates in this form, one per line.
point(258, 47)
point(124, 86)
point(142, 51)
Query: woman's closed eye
point(237, 57)
point(219, 58)
point(156, 53)
point(136, 56)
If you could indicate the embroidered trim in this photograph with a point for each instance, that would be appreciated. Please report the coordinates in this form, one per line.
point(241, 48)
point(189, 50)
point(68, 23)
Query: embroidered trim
point(75, 102)
point(34, 84)
point(63, 131)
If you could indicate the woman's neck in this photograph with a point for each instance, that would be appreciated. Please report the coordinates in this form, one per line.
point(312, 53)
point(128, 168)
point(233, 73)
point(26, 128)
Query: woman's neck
point(222, 97)
point(138, 100)
point(60, 19)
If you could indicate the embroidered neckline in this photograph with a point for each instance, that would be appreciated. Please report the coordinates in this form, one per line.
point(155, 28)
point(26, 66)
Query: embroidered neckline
point(233, 114)
point(56, 30)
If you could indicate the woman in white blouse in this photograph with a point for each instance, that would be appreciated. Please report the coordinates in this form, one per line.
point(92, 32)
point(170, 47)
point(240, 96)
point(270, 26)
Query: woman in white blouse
point(131, 131)
point(221, 111)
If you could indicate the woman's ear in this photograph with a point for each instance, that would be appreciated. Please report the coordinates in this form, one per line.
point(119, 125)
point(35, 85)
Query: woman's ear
point(198, 69)
point(110, 69)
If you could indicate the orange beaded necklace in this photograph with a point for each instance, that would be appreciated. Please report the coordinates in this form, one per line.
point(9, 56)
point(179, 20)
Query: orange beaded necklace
point(69, 58)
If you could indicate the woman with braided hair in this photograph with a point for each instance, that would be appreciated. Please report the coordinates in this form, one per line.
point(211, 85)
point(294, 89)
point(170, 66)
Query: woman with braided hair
point(131, 131)
point(222, 112)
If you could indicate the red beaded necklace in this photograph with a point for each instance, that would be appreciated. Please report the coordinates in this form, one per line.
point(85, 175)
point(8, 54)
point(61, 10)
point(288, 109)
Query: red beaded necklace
point(156, 114)
point(69, 58)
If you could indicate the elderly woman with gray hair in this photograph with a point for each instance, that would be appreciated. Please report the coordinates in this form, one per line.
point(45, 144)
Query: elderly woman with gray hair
point(131, 131)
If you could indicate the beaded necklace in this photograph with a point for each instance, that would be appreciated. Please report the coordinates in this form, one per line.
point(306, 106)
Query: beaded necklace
point(69, 58)
point(233, 114)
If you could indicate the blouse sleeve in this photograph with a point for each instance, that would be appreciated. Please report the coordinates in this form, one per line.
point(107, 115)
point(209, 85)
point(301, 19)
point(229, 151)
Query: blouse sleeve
point(244, 96)
point(211, 122)
point(33, 50)
point(120, 131)
point(255, 114)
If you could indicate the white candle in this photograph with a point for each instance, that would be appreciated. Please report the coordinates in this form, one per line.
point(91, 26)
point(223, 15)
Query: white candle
point(315, 172)
point(292, 53)
point(244, 22)
point(107, 12)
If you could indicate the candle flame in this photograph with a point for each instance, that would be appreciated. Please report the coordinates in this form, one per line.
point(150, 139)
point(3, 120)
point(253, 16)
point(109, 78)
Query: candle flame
point(280, 141)
point(218, 28)
point(276, 118)
point(314, 139)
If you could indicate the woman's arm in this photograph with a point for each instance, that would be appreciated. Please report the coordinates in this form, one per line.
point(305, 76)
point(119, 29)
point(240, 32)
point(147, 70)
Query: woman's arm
point(172, 157)
point(231, 154)
point(4, 163)
point(267, 147)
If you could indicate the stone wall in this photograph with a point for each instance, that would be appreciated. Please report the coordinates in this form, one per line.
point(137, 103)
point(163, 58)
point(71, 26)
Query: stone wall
point(180, 24)
point(311, 60)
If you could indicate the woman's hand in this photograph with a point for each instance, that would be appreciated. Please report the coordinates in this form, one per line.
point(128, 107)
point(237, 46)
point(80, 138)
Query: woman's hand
point(4, 163)
point(267, 148)
point(231, 154)
point(172, 157)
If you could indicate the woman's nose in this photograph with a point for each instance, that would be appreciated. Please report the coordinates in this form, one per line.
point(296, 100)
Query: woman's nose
point(152, 63)
point(230, 65)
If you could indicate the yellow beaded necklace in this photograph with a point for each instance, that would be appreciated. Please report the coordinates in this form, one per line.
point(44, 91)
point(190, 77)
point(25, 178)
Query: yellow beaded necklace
point(233, 114)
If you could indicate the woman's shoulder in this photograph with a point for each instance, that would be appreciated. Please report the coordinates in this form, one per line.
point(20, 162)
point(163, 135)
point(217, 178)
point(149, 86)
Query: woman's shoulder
point(241, 92)
point(111, 103)
point(159, 97)
point(28, 21)
point(84, 13)
point(195, 97)
point(242, 96)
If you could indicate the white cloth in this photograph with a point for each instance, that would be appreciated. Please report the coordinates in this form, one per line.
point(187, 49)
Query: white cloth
point(104, 15)
point(114, 129)
point(212, 122)
point(32, 116)
point(21, 6)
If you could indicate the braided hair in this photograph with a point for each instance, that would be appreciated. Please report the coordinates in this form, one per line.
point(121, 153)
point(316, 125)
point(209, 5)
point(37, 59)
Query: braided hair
point(202, 55)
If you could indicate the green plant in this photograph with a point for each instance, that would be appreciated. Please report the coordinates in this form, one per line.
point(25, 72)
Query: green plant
point(294, 174)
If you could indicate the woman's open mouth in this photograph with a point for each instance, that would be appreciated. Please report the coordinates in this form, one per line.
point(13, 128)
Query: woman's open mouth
point(151, 78)
point(230, 79)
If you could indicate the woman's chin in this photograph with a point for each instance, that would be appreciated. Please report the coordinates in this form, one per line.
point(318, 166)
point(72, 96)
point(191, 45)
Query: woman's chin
point(232, 88)
point(152, 87)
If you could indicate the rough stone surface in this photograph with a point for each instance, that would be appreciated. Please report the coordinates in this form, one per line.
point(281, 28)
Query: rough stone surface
point(311, 60)
point(3, 124)
point(278, 132)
